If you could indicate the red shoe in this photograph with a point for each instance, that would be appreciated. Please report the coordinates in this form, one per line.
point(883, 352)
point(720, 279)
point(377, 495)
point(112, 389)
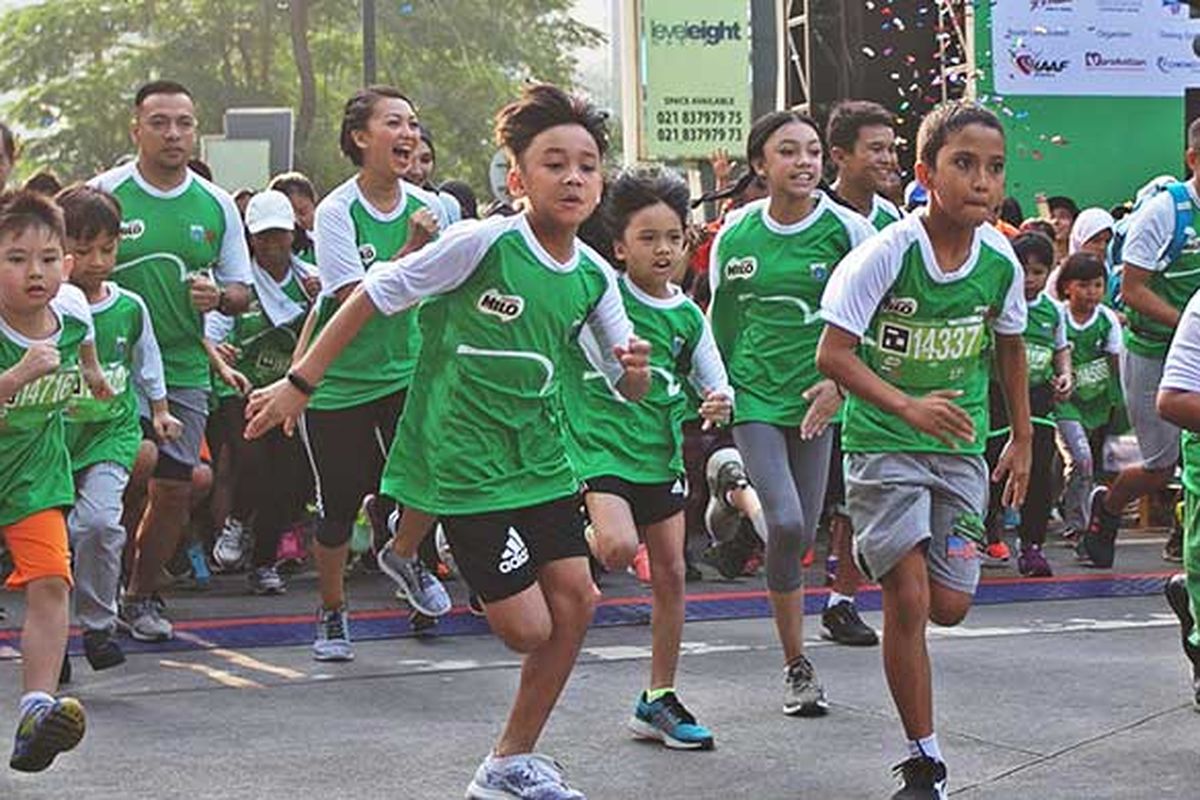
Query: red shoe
point(641, 564)
point(809, 558)
point(995, 554)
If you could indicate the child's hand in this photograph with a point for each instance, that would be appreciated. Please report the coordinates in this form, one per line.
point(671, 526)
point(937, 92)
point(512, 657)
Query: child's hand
point(235, 380)
point(1062, 385)
point(97, 384)
point(937, 415)
point(422, 229)
point(1014, 463)
point(311, 284)
point(40, 359)
point(716, 409)
point(824, 400)
point(635, 359)
point(204, 292)
point(281, 403)
point(166, 427)
point(228, 353)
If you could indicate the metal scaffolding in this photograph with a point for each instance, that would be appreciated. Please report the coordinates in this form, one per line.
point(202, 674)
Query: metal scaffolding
point(795, 84)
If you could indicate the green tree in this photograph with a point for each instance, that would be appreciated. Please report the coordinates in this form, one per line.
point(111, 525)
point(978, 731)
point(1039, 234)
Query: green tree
point(70, 68)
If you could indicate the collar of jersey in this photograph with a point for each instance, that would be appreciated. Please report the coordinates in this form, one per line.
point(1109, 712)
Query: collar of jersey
point(25, 341)
point(1096, 312)
point(107, 302)
point(169, 194)
point(775, 226)
point(936, 273)
point(677, 297)
point(390, 216)
point(548, 261)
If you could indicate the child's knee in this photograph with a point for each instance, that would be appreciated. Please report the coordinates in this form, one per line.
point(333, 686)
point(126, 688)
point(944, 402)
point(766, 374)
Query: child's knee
point(948, 608)
point(523, 635)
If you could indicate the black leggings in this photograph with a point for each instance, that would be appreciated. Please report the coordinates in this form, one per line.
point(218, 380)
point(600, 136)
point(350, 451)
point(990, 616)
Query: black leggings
point(346, 449)
point(1035, 512)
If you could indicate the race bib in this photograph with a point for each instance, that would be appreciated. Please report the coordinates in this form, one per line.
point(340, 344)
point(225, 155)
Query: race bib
point(928, 355)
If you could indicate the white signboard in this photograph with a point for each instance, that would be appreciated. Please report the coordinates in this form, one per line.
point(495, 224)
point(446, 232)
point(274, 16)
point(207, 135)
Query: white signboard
point(1117, 48)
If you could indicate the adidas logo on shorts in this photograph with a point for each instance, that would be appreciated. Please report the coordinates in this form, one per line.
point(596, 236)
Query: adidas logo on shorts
point(515, 553)
point(678, 487)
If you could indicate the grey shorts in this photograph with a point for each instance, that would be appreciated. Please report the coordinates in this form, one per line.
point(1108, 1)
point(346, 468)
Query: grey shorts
point(898, 501)
point(1157, 439)
point(190, 407)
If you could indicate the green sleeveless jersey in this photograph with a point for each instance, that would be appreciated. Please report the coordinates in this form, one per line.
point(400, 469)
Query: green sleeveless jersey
point(35, 468)
point(265, 348)
point(641, 442)
point(1151, 231)
point(165, 238)
point(352, 236)
point(109, 430)
point(1097, 388)
point(923, 329)
point(767, 281)
point(481, 429)
point(1045, 334)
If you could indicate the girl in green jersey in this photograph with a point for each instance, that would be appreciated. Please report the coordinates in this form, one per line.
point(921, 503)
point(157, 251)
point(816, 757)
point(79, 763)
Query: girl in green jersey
point(630, 454)
point(769, 265)
point(480, 441)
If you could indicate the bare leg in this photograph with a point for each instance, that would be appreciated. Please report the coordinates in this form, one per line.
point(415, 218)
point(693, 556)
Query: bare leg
point(414, 526)
point(664, 541)
point(1132, 483)
point(167, 515)
point(615, 542)
point(44, 635)
point(848, 577)
point(331, 565)
point(905, 657)
point(788, 609)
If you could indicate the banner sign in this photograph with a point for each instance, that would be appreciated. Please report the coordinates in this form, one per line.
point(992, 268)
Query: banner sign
point(1116, 48)
point(695, 77)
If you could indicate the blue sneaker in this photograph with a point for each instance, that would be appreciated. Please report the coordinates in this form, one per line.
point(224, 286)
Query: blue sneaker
point(333, 636)
point(200, 571)
point(46, 730)
point(667, 721)
point(529, 776)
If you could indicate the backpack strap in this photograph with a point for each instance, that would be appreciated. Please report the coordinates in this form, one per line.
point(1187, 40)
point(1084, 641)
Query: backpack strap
point(1181, 198)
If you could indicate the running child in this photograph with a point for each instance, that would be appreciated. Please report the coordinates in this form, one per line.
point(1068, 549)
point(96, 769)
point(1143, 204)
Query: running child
point(629, 455)
point(1095, 336)
point(42, 325)
point(104, 437)
point(913, 318)
point(480, 441)
point(1048, 356)
point(770, 263)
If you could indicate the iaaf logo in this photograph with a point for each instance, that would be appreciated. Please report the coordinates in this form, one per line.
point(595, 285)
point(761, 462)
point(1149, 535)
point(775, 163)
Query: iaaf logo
point(1094, 60)
point(505, 306)
point(709, 33)
point(1033, 64)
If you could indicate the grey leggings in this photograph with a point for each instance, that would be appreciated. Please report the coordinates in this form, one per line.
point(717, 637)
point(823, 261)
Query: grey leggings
point(789, 475)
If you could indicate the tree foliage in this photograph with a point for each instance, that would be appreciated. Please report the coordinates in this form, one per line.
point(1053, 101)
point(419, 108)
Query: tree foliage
point(70, 68)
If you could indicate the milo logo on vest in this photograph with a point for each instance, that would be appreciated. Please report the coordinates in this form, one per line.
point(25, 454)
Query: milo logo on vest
point(741, 268)
point(505, 306)
point(133, 229)
point(367, 254)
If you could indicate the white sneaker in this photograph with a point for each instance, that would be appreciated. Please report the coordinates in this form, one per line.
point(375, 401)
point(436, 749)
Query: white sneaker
point(144, 621)
point(230, 547)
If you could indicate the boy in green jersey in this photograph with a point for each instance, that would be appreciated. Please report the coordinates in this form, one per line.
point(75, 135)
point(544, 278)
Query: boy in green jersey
point(913, 318)
point(862, 143)
point(479, 443)
point(42, 325)
point(1094, 332)
point(103, 436)
point(1049, 358)
point(1179, 404)
point(630, 454)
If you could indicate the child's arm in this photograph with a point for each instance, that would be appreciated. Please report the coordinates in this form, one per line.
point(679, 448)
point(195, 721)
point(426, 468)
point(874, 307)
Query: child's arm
point(1017, 455)
point(1063, 380)
point(40, 359)
point(227, 374)
point(93, 375)
point(306, 332)
point(708, 377)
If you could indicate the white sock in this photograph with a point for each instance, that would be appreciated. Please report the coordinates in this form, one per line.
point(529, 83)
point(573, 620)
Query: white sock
point(835, 598)
point(927, 747)
point(31, 700)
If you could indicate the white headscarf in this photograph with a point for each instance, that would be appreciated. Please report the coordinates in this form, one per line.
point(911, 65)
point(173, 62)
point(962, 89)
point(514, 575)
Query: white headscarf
point(1090, 222)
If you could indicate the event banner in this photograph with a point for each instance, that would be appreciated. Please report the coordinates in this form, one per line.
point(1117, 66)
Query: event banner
point(1118, 48)
point(695, 70)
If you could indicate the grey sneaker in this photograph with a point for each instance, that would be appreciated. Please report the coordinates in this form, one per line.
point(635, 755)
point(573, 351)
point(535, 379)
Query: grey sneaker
point(230, 548)
point(723, 472)
point(415, 583)
point(144, 620)
point(529, 776)
point(265, 580)
point(333, 636)
point(803, 694)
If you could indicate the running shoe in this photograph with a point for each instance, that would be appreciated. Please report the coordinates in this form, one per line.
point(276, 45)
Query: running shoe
point(1177, 597)
point(730, 557)
point(291, 551)
point(995, 555)
point(641, 564)
point(667, 721)
point(265, 580)
point(529, 776)
point(724, 473)
point(475, 605)
point(1032, 563)
point(333, 636)
point(47, 729)
point(1173, 549)
point(414, 582)
point(753, 565)
point(810, 557)
point(102, 650)
point(923, 778)
point(201, 576)
point(382, 526)
point(229, 551)
point(1098, 544)
point(803, 694)
point(842, 624)
point(144, 620)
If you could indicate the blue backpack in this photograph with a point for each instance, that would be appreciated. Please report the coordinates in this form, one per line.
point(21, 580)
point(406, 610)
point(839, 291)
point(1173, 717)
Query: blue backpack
point(1182, 200)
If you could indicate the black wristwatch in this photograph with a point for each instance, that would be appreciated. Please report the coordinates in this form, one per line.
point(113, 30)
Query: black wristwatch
point(222, 296)
point(305, 388)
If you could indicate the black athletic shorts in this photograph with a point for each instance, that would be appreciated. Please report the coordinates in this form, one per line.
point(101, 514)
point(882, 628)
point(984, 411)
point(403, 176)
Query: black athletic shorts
point(499, 553)
point(650, 502)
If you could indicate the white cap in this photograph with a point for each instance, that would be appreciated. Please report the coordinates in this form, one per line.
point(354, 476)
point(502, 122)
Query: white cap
point(270, 210)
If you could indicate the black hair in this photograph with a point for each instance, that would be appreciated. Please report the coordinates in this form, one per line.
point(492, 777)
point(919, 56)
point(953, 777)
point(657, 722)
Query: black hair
point(44, 181)
point(1063, 202)
point(734, 190)
point(1034, 245)
point(201, 168)
point(851, 116)
point(770, 122)
point(427, 138)
point(23, 209)
point(1079, 266)
point(1193, 132)
point(639, 187)
point(950, 118)
point(596, 230)
point(1010, 211)
point(465, 196)
point(158, 87)
point(1120, 211)
point(89, 212)
point(291, 183)
point(357, 114)
point(1038, 225)
point(541, 107)
point(8, 142)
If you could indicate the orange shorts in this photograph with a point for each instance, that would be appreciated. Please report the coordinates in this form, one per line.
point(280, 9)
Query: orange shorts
point(38, 545)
